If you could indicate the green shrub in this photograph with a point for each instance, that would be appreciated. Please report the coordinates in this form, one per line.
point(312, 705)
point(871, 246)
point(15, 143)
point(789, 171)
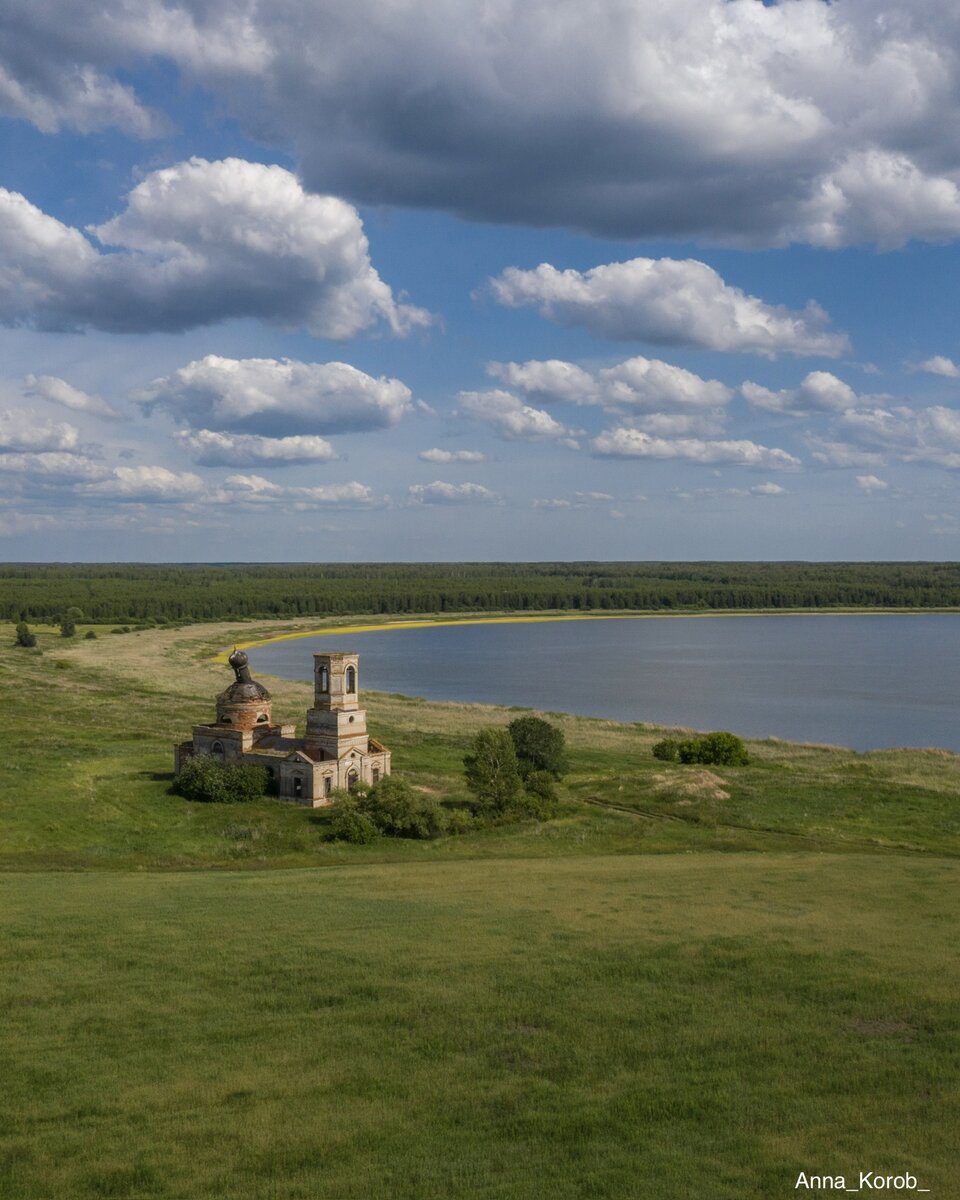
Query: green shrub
point(397, 811)
point(214, 782)
point(711, 749)
point(540, 747)
point(724, 750)
point(90, 635)
point(459, 820)
point(539, 798)
point(349, 824)
point(667, 750)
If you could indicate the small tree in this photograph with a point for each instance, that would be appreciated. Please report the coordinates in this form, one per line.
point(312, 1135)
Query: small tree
point(492, 771)
point(68, 626)
point(540, 746)
point(24, 636)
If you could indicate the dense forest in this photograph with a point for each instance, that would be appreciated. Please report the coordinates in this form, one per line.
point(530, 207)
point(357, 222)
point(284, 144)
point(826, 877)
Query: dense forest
point(136, 593)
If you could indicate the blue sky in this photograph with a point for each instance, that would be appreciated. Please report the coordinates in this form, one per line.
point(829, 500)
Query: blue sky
point(442, 280)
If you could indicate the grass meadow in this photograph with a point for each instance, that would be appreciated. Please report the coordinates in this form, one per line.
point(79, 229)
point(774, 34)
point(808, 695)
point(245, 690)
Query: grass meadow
point(690, 983)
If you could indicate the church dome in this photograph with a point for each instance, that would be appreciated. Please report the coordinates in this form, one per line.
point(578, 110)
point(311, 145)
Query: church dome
point(242, 690)
point(245, 703)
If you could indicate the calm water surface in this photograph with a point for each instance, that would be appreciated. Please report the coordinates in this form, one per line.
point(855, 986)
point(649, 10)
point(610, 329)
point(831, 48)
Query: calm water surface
point(859, 681)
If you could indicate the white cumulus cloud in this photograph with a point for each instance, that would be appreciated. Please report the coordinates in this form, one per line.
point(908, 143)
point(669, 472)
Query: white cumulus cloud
point(679, 302)
point(634, 443)
point(199, 242)
point(22, 431)
point(871, 483)
point(277, 397)
point(440, 492)
point(508, 416)
point(820, 392)
point(146, 484)
point(452, 456)
point(939, 364)
point(211, 449)
point(256, 490)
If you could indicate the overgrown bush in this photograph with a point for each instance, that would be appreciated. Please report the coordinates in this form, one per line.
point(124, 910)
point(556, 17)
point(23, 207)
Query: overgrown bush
point(90, 635)
point(349, 824)
point(398, 811)
point(390, 808)
point(214, 782)
point(711, 749)
point(538, 799)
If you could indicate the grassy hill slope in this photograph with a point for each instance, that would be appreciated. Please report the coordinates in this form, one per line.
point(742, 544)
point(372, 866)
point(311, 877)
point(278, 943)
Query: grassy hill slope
point(580, 1007)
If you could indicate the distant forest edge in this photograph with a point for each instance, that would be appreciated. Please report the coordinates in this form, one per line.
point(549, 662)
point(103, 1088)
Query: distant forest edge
point(186, 592)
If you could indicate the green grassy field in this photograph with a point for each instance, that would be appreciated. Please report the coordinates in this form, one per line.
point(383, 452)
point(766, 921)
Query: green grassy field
point(690, 983)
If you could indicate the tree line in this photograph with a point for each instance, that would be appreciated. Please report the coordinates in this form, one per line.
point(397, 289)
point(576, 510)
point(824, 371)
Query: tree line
point(138, 593)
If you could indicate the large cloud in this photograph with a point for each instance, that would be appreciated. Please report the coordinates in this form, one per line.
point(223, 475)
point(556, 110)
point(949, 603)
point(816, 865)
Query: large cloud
point(277, 398)
point(819, 392)
point(723, 119)
point(673, 302)
point(925, 435)
point(199, 242)
point(637, 385)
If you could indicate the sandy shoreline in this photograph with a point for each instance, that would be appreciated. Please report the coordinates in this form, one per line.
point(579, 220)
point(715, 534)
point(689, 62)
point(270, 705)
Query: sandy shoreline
point(519, 619)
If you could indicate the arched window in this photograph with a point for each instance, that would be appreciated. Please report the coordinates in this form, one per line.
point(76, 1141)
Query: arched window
point(351, 679)
point(298, 785)
point(324, 676)
point(217, 749)
point(261, 718)
point(327, 785)
point(376, 775)
point(352, 779)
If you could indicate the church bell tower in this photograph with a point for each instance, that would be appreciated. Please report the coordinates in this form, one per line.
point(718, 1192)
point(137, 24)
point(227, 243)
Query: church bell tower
point(336, 723)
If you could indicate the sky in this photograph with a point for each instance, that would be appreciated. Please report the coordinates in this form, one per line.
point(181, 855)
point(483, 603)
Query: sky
point(402, 280)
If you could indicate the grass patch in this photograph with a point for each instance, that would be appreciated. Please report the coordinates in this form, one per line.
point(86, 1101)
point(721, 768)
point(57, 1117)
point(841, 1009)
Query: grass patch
point(607, 1027)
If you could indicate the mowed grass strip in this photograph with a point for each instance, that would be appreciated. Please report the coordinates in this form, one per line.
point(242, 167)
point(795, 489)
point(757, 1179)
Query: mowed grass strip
point(674, 1026)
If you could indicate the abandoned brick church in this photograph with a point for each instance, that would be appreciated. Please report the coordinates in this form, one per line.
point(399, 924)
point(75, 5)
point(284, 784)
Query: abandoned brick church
point(336, 751)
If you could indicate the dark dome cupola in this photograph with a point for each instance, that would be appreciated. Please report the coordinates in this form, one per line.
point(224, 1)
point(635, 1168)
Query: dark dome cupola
point(245, 703)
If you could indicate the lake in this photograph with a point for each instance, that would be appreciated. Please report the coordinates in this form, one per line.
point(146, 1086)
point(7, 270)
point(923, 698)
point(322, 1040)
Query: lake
point(861, 681)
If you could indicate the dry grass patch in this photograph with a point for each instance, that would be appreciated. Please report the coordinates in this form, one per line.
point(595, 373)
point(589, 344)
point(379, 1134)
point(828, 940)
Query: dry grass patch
point(692, 785)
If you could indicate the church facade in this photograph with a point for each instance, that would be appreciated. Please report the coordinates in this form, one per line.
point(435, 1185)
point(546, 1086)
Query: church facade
point(335, 752)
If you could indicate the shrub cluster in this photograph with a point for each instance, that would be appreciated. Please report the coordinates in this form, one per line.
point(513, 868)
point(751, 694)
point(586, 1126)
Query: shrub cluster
point(390, 808)
point(214, 782)
point(512, 771)
point(712, 749)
